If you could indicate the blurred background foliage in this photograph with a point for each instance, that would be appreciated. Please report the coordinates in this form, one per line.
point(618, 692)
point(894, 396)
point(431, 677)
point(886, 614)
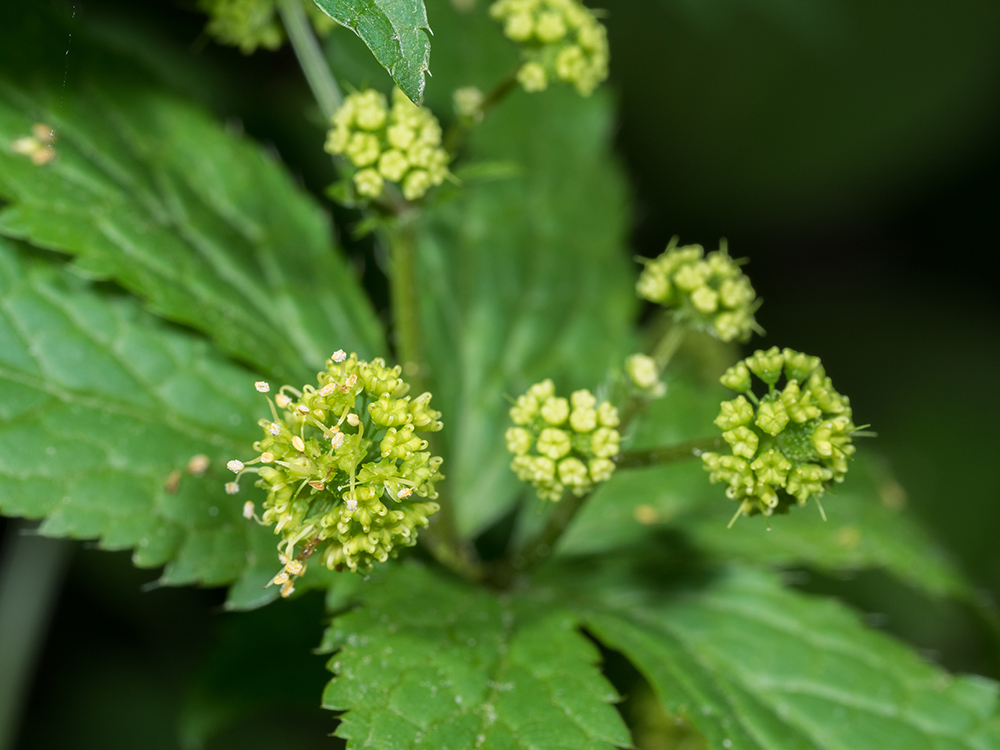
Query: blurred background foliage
point(847, 147)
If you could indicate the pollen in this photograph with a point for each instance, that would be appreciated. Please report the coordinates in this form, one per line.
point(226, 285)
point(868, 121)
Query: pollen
point(262, 386)
point(235, 466)
point(339, 356)
point(351, 381)
point(232, 488)
point(294, 567)
point(274, 429)
point(198, 465)
point(337, 439)
point(327, 389)
point(404, 493)
point(352, 504)
point(280, 579)
point(287, 589)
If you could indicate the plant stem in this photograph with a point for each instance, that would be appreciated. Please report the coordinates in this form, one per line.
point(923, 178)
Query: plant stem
point(544, 544)
point(668, 454)
point(406, 304)
point(668, 345)
point(310, 56)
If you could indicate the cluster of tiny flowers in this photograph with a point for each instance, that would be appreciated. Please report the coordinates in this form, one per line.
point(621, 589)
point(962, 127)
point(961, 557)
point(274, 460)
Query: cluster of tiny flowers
point(561, 444)
point(348, 479)
point(709, 292)
point(644, 375)
point(38, 145)
point(249, 24)
point(788, 445)
point(401, 144)
point(559, 39)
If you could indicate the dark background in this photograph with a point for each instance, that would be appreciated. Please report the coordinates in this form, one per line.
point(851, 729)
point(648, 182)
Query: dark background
point(847, 147)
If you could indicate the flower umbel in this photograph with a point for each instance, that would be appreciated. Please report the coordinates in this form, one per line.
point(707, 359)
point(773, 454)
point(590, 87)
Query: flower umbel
point(788, 445)
point(708, 292)
point(561, 444)
point(249, 24)
point(401, 144)
point(560, 39)
point(348, 479)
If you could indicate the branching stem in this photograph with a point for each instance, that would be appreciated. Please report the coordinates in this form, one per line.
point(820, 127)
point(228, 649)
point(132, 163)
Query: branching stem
point(311, 59)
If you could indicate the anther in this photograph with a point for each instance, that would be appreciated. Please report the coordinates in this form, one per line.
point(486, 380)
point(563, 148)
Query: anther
point(266, 458)
point(248, 509)
point(198, 465)
point(235, 466)
point(404, 493)
point(353, 420)
point(274, 429)
point(339, 356)
point(232, 488)
point(298, 444)
point(262, 386)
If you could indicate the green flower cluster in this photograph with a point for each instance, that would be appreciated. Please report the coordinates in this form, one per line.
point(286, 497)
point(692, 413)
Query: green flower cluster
point(249, 24)
point(562, 444)
point(402, 144)
point(710, 292)
point(788, 445)
point(559, 39)
point(347, 476)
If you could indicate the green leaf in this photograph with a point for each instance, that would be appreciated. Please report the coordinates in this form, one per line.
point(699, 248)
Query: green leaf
point(526, 278)
point(396, 32)
point(428, 662)
point(101, 408)
point(754, 666)
point(204, 225)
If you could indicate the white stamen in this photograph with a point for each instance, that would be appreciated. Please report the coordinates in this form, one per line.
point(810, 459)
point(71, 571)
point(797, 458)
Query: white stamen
point(262, 386)
point(248, 509)
point(294, 567)
point(235, 466)
point(353, 420)
point(274, 429)
point(279, 579)
point(302, 409)
point(339, 356)
point(287, 589)
point(404, 493)
point(266, 458)
point(337, 439)
point(232, 488)
point(352, 379)
point(352, 504)
point(298, 444)
point(327, 389)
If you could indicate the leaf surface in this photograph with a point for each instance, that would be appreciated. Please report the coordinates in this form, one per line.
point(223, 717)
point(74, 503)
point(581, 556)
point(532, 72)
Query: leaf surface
point(101, 408)
point(426, 662)
point(758, 667)
point(202, 224)
point(396, 32)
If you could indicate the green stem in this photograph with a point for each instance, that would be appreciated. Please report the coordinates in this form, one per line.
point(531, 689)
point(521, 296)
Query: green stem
point(543, 545)
point(668, 345)
point(310, 56)
point(406, 305)
point(668, 454)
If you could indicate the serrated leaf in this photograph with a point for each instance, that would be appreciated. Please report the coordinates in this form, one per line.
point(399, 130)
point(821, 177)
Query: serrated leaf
point(396, 32)
point(428, 662)
point(204, 225)
point(101, 408)
point(758, 667)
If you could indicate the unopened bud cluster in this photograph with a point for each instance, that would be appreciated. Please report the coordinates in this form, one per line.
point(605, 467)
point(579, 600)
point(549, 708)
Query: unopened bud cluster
point(249, 24)
point(401, 144)
point(559, 39)
point(708, 292)
point(788, 445)
point(561, 444)
point(347, 475)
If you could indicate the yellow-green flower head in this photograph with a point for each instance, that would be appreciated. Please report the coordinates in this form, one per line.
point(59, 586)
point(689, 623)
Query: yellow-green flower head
point(400, 144)
point(788, 445)
point(559, 39)
point(249, 24)
point(562, 444)
point(348, 477)
point(709, 292)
